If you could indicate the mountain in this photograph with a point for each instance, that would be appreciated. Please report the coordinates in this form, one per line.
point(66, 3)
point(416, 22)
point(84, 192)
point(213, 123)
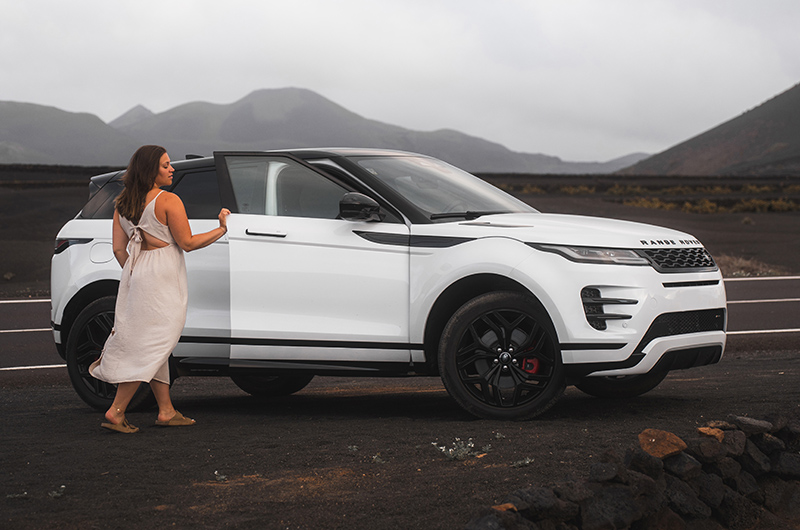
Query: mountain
point(762, 141)
point(46, 135)
point(265, 119)
point(293, 117)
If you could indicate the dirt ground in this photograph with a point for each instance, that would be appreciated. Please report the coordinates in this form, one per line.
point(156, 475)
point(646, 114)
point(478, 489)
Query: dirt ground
point(351, 454)
point(354, 454)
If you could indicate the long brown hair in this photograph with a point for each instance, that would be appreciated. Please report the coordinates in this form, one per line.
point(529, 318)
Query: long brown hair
point(139, 179)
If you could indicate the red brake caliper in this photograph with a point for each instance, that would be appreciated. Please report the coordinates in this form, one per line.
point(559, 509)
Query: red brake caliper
point(530, 366)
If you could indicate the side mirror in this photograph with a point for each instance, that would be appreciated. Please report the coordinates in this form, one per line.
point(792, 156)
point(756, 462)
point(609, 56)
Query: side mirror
point(358, 207)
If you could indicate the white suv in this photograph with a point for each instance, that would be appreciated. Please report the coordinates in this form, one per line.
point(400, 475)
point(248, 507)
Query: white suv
point(360, 262)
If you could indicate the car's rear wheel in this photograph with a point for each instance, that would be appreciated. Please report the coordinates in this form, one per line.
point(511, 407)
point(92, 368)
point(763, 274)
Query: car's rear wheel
point(499, 357)
point(271, 385)
point(621, 386)
point(85, 342)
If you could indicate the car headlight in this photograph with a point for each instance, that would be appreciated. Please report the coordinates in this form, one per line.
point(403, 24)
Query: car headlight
point(607, 256)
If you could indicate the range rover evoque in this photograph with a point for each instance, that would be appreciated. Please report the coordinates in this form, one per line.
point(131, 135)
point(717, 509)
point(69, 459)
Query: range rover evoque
point(364, 262)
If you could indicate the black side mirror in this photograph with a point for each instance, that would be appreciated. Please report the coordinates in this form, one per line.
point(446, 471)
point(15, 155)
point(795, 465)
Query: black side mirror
point(358, 207)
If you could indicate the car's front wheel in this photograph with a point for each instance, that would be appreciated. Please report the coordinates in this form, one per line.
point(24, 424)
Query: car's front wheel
point(85, 342)
point(499, 357)
point(622, 386)
point(271, 385)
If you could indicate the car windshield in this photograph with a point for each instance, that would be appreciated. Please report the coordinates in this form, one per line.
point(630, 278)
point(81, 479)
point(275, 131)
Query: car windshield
point(443, 192)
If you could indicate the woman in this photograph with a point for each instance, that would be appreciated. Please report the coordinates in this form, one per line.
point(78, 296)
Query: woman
point(151, 232)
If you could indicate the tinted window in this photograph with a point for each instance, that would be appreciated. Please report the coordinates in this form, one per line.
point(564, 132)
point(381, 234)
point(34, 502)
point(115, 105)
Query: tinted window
point(279, 186)
point(101, 206)
point(199, 192)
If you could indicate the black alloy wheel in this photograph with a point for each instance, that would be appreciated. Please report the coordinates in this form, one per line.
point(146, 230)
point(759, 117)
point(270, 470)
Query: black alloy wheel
point(499, 357)
point(85, 342)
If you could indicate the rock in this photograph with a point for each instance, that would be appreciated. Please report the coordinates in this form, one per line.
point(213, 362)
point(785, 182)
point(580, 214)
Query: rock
point(745, 484)
point(713, 432)
point(734, 442)
point(612, 506)
point(768, 444)
point(636, 459)
point(754, 461)
point(572, 491)
point(542, 503)
point(709, 488)
point(781, 497)
point(722, 425)
point(496, 520)
point(665, 519)
point(707, 450)
point(750, 425)
point(787, 465)
point(778, 421)
point(683, 500)
point(603, 472)
point(736, 512)
point(727, 468)
point(683, 466)
point(661, 444)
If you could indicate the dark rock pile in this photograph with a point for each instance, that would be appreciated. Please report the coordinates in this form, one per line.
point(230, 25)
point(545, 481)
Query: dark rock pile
point(742, 473)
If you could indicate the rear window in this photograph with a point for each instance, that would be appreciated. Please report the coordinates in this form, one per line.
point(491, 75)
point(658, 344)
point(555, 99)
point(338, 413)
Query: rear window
point(199, 191)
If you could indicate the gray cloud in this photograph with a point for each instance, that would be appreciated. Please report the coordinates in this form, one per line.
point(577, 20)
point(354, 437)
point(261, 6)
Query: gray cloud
point(579, 79)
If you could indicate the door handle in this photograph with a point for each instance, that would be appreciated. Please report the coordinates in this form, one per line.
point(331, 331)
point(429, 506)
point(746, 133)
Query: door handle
point(264, 234)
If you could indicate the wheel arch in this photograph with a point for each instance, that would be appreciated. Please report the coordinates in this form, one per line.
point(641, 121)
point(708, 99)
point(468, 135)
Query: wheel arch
point(88, 294)
point(456, 295)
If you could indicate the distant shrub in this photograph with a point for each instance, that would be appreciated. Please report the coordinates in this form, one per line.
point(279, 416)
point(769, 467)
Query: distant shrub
point(751, 205)
point(533, 190)
point(650, 202)
point(755, 189)
point(714, 190)
point(793, 188)
point(677, 190)
point(618, 189)
point(577, 190)
point(702, 206)
point(782, 205)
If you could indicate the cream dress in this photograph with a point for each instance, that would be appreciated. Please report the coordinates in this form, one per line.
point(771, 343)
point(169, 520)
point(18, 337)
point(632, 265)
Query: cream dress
point(151, 307)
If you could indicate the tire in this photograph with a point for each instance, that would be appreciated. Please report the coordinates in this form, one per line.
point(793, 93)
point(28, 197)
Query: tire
point(85, 342)
point(267, 386)
point(499, 357)
point(623, 386)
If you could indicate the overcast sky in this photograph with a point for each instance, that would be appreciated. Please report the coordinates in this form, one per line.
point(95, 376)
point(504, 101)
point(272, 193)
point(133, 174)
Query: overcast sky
point(584, 80)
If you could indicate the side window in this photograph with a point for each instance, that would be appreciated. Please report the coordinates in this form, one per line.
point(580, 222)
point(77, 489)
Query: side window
point(280, 186)
point(199, 191)
point(101, 206)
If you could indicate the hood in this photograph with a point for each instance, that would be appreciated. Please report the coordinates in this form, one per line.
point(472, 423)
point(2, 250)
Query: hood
point(564, 229)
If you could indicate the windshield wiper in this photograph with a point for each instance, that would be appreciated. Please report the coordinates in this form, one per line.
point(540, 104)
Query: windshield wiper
point(469, 215)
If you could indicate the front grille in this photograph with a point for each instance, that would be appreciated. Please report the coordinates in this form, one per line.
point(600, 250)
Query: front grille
point(679, 259)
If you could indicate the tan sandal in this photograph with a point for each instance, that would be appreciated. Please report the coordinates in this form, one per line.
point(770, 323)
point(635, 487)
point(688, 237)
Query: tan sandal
point(123, 427)
point(178, 420)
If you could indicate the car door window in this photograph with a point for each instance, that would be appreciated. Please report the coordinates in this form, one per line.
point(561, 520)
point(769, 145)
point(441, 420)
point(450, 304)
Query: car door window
point(280, 186)
point(199, 191)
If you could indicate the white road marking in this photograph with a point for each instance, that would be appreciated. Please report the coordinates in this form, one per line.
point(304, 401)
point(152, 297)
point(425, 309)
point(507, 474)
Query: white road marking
point(767, 301)
point(763, 331)
point(760, 278)
point(10, 368)
point(32, 330)
point(26, 301)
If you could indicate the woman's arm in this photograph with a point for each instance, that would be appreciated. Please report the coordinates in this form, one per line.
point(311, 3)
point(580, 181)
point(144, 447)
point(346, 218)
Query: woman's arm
point(178, 224)
point(119, 241)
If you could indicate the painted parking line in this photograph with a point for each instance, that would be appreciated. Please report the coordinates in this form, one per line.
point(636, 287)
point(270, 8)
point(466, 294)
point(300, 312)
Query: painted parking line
point(15, 368)
point(764, 331)
point(766, 301)
point(760, 278)
point(31, 301)
point(31, 330)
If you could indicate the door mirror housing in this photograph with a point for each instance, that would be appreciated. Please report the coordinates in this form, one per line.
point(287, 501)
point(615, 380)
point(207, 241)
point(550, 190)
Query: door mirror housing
point(358, 207)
